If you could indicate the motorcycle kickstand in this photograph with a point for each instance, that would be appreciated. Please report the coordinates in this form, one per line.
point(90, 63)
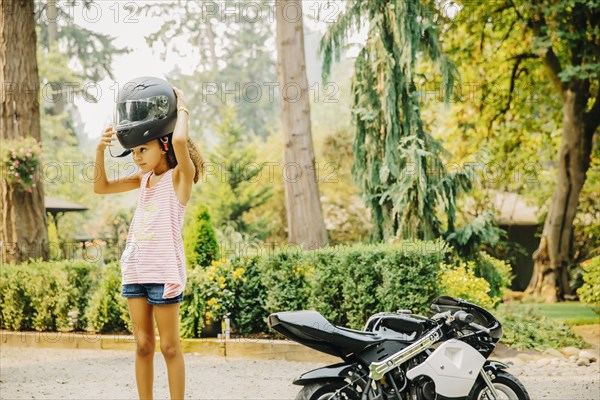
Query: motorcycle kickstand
point(489, 384)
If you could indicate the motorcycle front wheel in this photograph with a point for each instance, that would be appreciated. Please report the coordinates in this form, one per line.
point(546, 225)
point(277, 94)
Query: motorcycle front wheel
point(507, 386)
point(327, 390)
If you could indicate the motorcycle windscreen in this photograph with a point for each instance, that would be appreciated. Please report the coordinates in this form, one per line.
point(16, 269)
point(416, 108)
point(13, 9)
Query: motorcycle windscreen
point(481, 316)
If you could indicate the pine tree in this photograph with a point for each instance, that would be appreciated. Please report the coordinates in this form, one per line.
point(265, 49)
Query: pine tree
point(232, 189)
point(398, 166)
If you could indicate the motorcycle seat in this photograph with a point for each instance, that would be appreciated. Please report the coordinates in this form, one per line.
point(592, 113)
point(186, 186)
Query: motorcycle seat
point(310, 328)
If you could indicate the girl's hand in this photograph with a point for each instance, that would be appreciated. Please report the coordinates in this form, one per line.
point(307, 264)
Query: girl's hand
point(180, 99)
point(107, 137)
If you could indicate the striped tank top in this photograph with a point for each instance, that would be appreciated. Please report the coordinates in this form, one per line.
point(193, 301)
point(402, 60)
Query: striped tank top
point(154, 249)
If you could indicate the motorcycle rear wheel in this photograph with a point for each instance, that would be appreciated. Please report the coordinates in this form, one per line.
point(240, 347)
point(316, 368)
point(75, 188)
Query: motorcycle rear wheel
point(327, 391)
point(507, 386)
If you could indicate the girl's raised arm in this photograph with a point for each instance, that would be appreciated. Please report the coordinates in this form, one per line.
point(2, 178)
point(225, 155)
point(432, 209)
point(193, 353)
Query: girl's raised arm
point(101, 183)
point(185, 165)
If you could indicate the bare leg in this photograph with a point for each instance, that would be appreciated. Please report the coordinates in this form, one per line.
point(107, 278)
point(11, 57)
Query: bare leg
point(143, 331)
point(167, 319)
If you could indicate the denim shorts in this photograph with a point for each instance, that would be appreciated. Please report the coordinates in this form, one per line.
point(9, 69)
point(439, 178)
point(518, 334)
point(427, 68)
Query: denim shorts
point(153, 293)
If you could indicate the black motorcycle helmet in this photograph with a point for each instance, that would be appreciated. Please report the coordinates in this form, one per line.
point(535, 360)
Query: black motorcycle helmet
point(146, 109)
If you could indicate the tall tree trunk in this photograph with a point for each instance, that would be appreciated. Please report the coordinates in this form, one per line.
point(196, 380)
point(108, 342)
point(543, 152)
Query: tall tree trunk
point(550, 278)
point(23, 232)
point(303, 204)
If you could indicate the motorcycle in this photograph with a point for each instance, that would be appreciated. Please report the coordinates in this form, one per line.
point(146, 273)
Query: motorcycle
point(400, 355)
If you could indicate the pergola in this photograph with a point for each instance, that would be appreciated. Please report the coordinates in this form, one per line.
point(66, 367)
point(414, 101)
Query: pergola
point(57, 206)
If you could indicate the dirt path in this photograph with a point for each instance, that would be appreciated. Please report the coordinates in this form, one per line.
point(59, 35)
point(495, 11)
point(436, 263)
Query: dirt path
point(43, 373)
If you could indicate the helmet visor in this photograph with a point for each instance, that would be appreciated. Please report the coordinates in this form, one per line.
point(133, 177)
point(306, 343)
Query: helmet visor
point(138, 111)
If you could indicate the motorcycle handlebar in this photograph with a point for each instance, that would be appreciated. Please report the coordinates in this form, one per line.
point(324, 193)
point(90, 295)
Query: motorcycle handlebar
point(462, 317)
point(467, 319)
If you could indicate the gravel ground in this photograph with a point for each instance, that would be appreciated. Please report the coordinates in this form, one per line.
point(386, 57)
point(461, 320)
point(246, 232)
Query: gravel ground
point(45, 373)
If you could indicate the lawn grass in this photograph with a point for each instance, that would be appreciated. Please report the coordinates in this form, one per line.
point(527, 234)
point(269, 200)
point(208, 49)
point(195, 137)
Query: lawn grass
point(571, 313)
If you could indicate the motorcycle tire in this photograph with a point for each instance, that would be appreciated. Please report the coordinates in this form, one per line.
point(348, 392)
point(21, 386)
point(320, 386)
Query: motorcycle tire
point(507, 386)
point(326, 390)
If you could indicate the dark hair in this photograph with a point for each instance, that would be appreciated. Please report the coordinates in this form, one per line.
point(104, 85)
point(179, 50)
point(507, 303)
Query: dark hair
point(194, 155)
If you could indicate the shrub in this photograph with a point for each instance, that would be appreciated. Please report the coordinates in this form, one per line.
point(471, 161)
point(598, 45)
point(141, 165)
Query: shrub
point(248, 312)
point(107, 311)
point(220, 281)
point(327, 287)
point(83, 277)
point(525, 328)
point(193, 305)
point(589, 292)
point(410, 276)
point(496, 272)
point(461, 282)
point(200, 244)
point(39, 295)
point(15, 300)
point(286, 276)
point(346, 284)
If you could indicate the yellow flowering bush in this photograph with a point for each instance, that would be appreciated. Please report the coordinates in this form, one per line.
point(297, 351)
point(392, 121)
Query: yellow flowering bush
point(462, 282)
point(219, 282)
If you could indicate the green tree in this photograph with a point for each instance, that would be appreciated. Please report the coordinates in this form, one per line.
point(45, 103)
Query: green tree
point(549, 48)
point(234, 64)
point(398, 165)
point(93, 51)
point(201, 246)
point(233, 188)
point(88, 53)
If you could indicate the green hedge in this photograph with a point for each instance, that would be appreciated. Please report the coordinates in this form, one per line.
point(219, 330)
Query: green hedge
point(346, 284)
point(107, 311)
point(39, 295)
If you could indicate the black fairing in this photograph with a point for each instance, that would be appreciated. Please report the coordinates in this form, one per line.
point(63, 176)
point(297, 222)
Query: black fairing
point(311, 329)
point(328, 373)
point(381, 351)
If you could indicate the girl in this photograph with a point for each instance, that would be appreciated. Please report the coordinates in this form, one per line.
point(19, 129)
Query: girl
point(153, 262)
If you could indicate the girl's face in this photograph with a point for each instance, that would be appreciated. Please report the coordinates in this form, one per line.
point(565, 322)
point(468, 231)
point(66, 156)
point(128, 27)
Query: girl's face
point(148, 155)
